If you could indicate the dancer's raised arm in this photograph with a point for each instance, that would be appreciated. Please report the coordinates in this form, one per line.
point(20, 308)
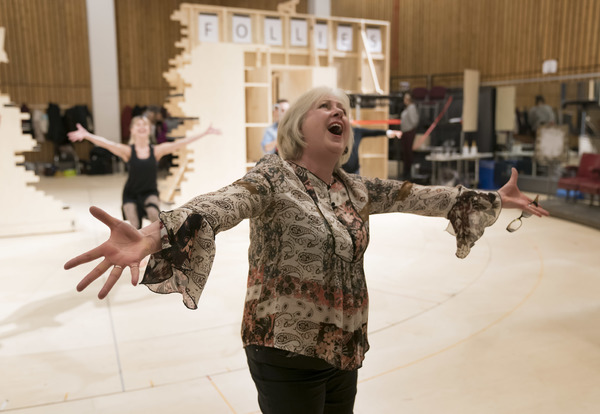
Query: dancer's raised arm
point(169, 147)
point(120, 150)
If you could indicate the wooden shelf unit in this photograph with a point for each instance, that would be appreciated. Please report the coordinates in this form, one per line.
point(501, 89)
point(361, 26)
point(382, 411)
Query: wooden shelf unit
point(283, 70)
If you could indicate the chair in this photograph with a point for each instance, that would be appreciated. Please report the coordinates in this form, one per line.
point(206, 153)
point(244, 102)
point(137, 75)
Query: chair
point(428, 99)
point(587, 172)
point(437, 96)
point(592, 188)
point(437, 93)
point(419, 94)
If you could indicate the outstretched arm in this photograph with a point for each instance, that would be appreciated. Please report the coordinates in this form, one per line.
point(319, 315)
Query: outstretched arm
point(120, 150)
point(182, 242)
point(126, 246)
point(469, 211)
point(512, 197)
point(170, 147)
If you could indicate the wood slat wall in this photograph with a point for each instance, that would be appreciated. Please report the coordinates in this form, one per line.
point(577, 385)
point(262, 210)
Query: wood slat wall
point(363, 9)
point(46, 41)
point(506, 39)
point(47, 47)
point(502, 39)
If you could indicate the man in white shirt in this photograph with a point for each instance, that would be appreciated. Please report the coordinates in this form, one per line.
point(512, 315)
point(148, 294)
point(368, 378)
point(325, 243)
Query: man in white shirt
point(540, 114)
point(409, 121)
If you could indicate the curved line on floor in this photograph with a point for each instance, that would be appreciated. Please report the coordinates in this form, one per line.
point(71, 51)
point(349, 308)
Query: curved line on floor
point(437, 304)
point(457, 343)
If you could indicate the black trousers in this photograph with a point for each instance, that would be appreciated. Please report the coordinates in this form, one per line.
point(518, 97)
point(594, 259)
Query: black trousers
point(289, 383)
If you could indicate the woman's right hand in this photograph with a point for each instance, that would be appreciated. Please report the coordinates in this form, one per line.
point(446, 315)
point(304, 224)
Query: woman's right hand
point(78, 135)
point(126, 246)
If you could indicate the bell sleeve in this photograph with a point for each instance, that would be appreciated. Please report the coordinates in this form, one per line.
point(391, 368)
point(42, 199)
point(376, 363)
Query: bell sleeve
point(188, 234)
point(469, 211)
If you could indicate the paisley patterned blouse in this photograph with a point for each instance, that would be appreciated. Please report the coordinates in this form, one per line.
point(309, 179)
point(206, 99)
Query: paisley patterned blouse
point(306, 288)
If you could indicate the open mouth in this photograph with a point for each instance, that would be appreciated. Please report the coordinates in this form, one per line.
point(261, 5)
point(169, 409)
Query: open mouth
point(336, 128)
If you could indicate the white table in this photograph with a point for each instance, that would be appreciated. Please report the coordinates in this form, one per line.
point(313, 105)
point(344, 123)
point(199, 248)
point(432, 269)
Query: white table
point(519, 154)
point(462, 161)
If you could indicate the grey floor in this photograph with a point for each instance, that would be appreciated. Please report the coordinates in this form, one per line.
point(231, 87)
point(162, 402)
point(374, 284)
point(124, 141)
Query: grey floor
point(579, 210)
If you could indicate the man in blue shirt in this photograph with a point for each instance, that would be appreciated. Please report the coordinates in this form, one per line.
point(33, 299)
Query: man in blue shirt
point(269, 141)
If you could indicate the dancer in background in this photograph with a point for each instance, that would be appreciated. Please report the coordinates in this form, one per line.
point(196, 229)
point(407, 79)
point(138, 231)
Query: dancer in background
point(140, 195)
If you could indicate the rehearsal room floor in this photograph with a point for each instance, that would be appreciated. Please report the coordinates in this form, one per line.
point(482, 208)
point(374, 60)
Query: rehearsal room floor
point(513, 328)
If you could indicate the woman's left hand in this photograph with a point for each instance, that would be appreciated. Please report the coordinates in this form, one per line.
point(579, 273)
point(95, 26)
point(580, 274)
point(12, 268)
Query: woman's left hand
point(512, 197)
point(211, 130)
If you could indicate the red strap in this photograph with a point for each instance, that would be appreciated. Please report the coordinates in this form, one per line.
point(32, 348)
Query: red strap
point(398, 122)
point(421, 139)
point(442, 112)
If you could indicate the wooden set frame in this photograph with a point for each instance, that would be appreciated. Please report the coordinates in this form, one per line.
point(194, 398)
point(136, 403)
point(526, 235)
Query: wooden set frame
point(268, 72)
point(26, 210)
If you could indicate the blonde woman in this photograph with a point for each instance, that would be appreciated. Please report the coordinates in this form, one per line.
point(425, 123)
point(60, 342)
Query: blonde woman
point(140, 195)
point(305, 318)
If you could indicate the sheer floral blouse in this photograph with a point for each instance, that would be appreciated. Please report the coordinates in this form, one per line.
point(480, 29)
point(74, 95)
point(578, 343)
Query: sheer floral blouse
point(306, 288)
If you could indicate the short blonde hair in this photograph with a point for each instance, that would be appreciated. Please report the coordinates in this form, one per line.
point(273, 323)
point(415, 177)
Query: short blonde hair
point(290, 142)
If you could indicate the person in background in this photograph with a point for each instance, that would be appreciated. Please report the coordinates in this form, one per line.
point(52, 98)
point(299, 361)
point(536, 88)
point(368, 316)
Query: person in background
point(304, 327)
point(540, 114)
point(409, 121)
point(269, 141)
point(140, 195)
point(161, 125)
point(158, 128)
point(352, 166)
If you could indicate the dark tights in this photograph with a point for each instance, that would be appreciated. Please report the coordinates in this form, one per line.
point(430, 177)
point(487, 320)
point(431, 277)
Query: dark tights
point(150, 206)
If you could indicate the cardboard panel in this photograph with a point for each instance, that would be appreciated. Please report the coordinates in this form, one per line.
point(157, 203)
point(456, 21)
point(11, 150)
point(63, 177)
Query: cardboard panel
point(505, 108)
point(28, 211)
point(216, 94)
point(470, 100)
